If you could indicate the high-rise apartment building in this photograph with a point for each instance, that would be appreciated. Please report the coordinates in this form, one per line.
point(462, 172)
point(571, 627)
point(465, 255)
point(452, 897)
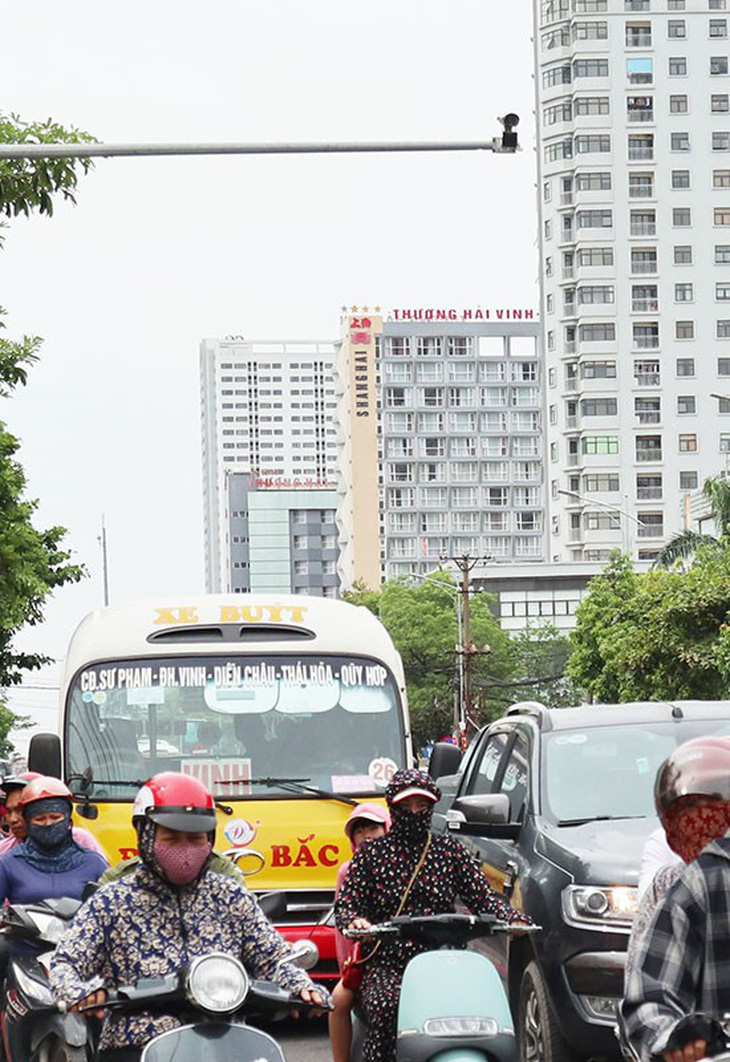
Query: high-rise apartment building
point(267, 411)
point(443, 441)
point(634, 187)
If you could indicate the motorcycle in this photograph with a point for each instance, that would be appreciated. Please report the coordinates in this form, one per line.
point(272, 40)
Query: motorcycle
point(33, 1029)
point(453, 1005)
point(213, 995)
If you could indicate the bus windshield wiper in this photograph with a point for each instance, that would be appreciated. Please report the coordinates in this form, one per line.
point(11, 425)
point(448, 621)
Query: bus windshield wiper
point(294, 785)
point(596, 818)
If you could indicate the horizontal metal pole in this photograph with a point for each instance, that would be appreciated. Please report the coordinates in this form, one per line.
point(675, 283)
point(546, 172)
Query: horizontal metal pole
point(86, 151)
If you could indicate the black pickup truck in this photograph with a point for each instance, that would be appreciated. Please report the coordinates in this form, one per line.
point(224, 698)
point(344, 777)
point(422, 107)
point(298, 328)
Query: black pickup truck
point(561, 801)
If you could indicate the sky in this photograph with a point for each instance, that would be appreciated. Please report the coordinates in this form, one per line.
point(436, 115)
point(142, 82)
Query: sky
point(159, 253)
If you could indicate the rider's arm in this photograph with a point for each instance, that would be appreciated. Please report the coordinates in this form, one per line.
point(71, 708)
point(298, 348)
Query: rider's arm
point(80, 955)
point(664, 985)
point(472, 887)
point(353, 900)
point(263, 947)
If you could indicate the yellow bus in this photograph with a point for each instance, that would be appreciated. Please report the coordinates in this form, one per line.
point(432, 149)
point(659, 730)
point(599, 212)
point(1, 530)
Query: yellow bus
point(291, 709)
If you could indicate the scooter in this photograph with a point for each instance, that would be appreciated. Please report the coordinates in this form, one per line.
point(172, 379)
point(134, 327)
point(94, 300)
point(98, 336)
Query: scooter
point(33, 1029)
point(213, 995)
point(453, 1006)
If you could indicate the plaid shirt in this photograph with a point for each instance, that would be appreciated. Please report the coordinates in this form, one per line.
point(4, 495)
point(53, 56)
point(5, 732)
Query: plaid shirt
point(682, 966)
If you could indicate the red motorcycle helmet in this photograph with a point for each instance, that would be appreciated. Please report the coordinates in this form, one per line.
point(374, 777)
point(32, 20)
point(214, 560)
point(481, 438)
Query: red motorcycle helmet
point(44, 788)
point(700, 767)
point(177, 801)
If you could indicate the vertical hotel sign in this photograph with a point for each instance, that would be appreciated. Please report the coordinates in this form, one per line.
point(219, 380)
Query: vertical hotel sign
point(361, 333)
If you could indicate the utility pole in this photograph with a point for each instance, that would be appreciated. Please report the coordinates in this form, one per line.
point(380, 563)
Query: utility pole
point(466, 649)
point(104, 564)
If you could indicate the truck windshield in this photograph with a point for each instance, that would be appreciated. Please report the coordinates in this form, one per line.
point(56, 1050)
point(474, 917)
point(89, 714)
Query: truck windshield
point(239, 723)
point(609, 771)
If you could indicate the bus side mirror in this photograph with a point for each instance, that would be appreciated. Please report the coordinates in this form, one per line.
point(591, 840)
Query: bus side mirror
point(44, 755)
point(445, 759)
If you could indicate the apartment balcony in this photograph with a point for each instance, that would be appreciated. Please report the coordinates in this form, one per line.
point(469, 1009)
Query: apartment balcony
point(650, 531)
point(648, 379)
point(645, 305)
point(650, 454)
point(640, 117)
point(571, 423)
point(641, 154)
point(646, 342)
point(649, 493)
point(569, 346)
point(638, 268)
point(649, 417)
point(643, 228)
point(573, 460)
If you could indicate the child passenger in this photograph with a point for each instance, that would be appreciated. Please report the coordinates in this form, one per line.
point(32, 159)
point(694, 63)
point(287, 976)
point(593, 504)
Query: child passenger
point(366, 821)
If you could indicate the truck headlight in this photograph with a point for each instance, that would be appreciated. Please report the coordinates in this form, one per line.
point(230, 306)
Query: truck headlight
point(217, 983)
point(604, 907)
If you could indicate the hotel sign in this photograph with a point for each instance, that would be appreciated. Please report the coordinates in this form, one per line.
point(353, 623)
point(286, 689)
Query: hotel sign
point(477, 314)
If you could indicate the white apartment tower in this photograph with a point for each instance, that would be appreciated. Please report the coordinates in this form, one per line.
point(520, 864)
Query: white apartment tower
point(634, 189)
point(267, 410)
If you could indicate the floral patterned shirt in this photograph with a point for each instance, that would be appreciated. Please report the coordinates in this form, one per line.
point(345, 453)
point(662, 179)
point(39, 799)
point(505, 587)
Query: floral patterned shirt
point(140, 927)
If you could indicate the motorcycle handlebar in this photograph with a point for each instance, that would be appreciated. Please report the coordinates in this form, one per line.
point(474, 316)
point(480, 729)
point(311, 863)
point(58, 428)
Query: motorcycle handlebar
point(477, 924)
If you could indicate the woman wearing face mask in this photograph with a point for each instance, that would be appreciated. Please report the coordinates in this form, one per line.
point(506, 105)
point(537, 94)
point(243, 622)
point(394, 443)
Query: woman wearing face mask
point(48, 863)
point(168, 910)
point(430, 873)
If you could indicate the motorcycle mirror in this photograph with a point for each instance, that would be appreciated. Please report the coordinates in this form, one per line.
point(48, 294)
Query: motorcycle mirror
point(304, 954)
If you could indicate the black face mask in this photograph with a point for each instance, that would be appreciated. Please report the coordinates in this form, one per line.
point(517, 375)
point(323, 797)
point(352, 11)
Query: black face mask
point(412, 826)
point(49, 838)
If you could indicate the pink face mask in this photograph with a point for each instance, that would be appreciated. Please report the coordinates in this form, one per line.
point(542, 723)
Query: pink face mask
point(181, 863)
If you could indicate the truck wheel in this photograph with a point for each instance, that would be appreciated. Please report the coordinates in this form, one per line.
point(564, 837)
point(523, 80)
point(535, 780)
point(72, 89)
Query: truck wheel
point(540, 1039)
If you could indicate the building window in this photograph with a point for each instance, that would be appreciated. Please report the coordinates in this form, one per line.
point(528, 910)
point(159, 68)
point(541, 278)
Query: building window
point(594, 144)
point(686, 404)
point(688, 480)
point(721, 178)
point(718, 27)
point(598, 370)
point(722, 329)
point(597, 333)
point(725, 443)
point(590, 31)
point(585, 105)
point(646, 336)
point(685, 366)
point(723, 366)
point(638, 35)
point(595, 256)
point(590, 68)
point(599, 444)
point(676, 5)
point(684, 330)
point(640, 71)
point(678, 66)
point(678, 105)
point(593, 182)
point(641, 185)
point(680, 179)
point(718, 64)
point(682, 255)
point(599, 407)
point(679, 141)
point(681, 217)
point(721, 216)
point(722, 291)
point(688, 444)
point(683, 292)
point(720, 103)
point(676, 28)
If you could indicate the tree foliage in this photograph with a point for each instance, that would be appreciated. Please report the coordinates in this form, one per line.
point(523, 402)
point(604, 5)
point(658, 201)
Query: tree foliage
point(32, 562)
point(681, 548)
point(660, 635)
point(30, 185)
point(422, 621)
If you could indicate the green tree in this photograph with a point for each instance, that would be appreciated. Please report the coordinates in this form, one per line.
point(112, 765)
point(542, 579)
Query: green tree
point(682, 547)
point(32, 562)
point(422, 621)
point(660, 635)
point(541, 655)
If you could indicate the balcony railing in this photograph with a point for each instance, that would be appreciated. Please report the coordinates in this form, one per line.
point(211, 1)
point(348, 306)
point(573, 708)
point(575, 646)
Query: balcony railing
point(649, 493)
point(573, 460)
point(638, 40)
point(649, 416)
point(653, 453)
point(644, 115)
point(571, 422)
point(648, 379)
point(568, 272)
point(643, 267)
point(569, 346)
point(639, 152)
point(650, 530)
point(641, 191)
point(646, 342)
point(566, 198)
point(645, 305)
point(643, 228)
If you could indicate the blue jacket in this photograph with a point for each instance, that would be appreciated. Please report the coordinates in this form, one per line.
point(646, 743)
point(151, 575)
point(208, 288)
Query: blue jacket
point(22, 883)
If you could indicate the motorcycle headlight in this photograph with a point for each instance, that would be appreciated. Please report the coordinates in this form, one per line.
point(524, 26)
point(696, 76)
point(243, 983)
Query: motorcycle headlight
point(599, 907)
point(32, 989)
point(217, 983)
point(466, 1026)
point(50, 928)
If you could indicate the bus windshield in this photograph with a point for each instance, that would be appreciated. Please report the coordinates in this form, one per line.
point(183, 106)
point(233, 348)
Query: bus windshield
point(245, 725)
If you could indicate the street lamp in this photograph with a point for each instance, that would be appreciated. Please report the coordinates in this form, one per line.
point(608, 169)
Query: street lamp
point(605, 505)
